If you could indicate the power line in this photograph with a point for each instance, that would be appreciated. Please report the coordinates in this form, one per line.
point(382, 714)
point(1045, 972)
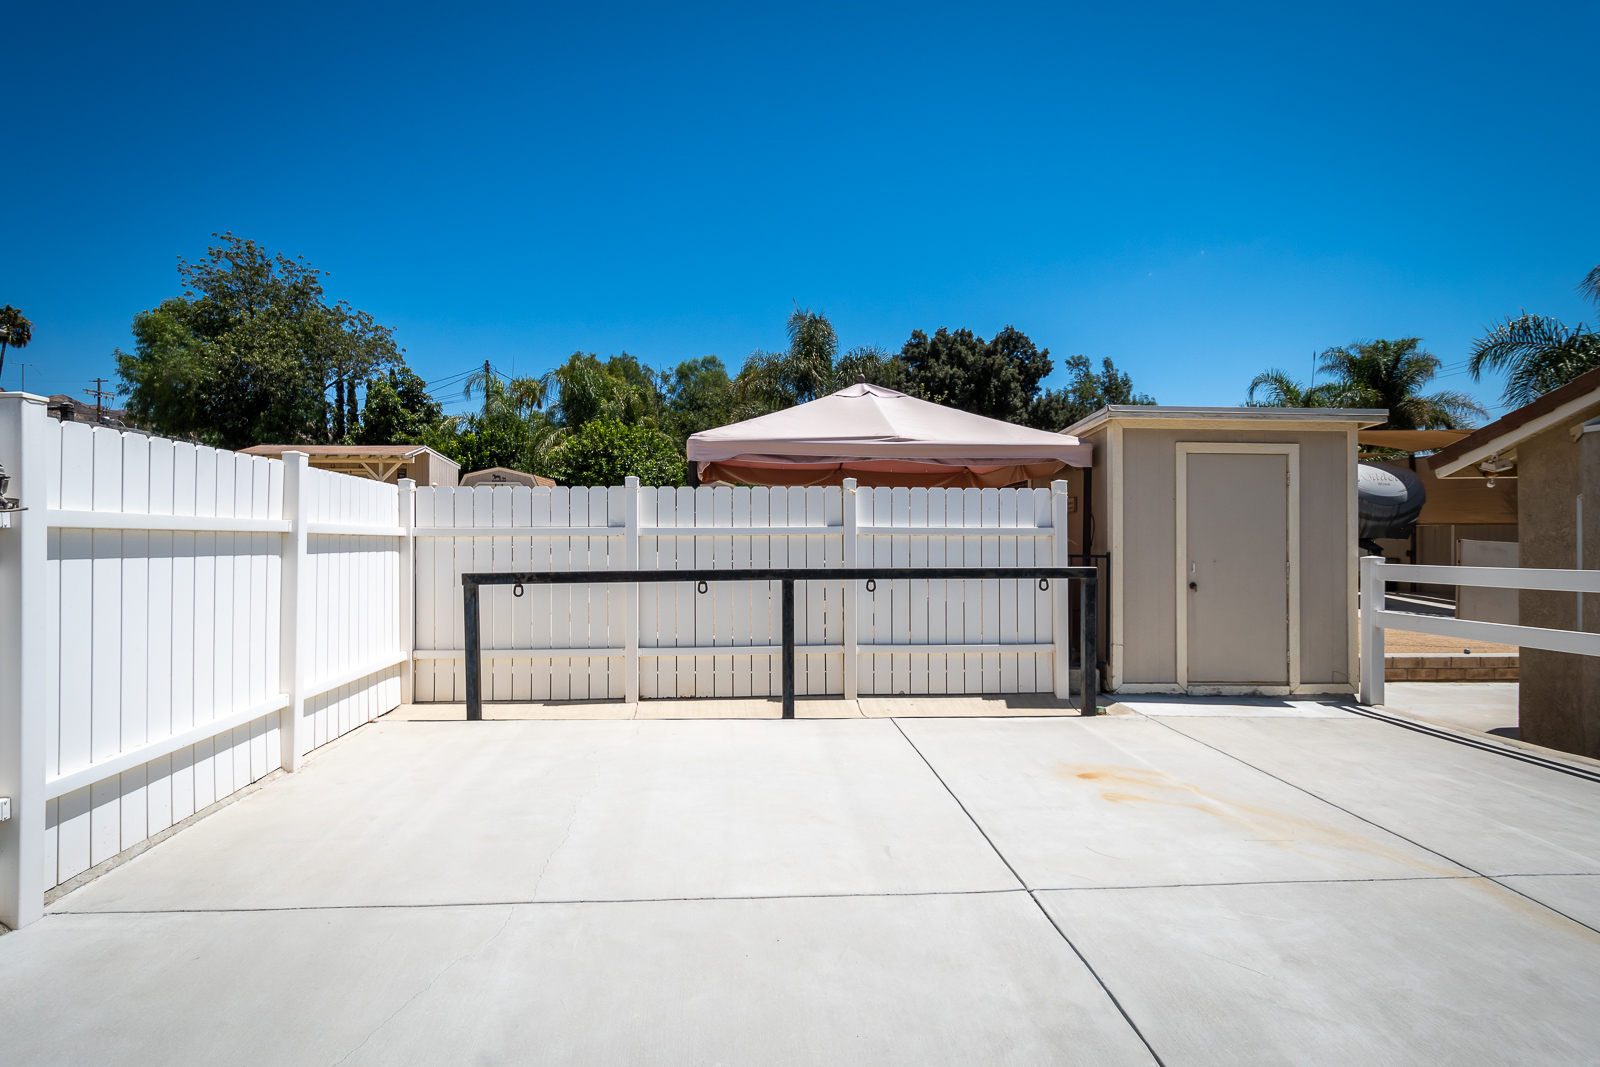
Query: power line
point(100, 393)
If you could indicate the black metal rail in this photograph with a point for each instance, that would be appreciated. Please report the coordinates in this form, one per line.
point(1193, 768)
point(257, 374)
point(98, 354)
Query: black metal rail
point(1086, 577)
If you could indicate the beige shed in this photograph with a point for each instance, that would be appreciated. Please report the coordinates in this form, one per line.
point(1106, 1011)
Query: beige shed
point(506, 476)
point(1231, 535)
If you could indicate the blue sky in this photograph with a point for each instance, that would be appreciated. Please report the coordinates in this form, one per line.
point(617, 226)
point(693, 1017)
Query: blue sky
point(1198, 193)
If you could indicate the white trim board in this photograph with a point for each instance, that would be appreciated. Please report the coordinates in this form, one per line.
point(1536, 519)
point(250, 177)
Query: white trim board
point(1183, 450)
point(1119, 614)
point(135, 757)
point(1516, 435)
point(57, 518)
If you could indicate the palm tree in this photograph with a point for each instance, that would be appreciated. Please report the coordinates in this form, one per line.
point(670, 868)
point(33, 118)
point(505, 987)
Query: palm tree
point(511, 415)
point(1390, 375)
point(587, 389)
point(1539, 352)
point(1282, 391)
point(15, 330)
point(804, 372)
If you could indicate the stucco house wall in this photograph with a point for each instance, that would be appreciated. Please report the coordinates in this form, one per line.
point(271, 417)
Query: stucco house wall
point(1560, 692)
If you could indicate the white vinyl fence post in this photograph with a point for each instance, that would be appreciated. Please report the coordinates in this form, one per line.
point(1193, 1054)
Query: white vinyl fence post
point(408, 599)
point(25, 451)
point(852, 590)
point(295, 613)
point(1060, 594)
point(630, 595)
point(1372, 602)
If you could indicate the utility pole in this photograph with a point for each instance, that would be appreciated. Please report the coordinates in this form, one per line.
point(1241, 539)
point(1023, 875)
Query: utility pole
point(23, 388)
point(100, 393)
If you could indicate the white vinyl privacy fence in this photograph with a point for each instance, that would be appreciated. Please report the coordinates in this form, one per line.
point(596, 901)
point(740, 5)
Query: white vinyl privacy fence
point(179, 622)
point(598, 642)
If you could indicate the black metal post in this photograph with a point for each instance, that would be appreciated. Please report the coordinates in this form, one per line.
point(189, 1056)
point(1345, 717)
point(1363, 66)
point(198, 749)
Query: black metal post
point(469, 595)
point(788, 648)
point(1089, 620)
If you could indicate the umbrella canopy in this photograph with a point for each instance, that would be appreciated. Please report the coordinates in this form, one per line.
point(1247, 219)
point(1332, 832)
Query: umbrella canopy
point(880, 437)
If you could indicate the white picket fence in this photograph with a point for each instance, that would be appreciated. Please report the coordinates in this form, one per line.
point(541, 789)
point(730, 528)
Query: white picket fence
point(180, 622)
point(667, 640)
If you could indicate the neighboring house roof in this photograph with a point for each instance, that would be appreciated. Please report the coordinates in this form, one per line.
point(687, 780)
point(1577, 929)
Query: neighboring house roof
point(1362, 417)
point(1503, 435)
point(381, 462)
point(82, 412)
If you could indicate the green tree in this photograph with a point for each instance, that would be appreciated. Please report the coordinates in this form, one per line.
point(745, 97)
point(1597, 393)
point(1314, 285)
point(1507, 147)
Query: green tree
point(606, 450)
point(770, 381)
point(1085, 393)
point(398, 408)
point(251, 352)
point(15, 331)
point(1391, 375)
point(508, 431)
point(871, 364)
point(997, 378)
point(699, 396)
point(1279, 390)
point(1539, 353)
point(621, 388)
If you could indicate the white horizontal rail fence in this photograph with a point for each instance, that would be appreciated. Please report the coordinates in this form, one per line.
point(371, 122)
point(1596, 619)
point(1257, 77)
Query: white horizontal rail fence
point(661, 640)
point(1375, 617)
point(170, 611)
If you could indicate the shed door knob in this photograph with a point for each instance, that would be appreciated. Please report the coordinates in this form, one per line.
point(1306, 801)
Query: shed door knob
point(1193, 587)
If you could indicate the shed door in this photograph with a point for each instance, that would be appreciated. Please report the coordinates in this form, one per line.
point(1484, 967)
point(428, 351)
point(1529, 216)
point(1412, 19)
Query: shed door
point(1238, 580)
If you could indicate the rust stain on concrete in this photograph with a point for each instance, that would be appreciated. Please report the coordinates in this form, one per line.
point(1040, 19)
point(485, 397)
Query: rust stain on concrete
point(1145, 786)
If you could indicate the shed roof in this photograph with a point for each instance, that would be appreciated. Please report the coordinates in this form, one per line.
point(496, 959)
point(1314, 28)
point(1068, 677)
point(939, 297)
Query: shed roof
point(1362, 417)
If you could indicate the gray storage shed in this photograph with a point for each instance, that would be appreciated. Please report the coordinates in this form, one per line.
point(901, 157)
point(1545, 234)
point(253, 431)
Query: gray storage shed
point(1231, 534)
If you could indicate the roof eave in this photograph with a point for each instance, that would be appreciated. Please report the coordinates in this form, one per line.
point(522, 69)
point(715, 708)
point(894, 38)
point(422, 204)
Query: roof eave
point(1511, 437)
point(1363, 418)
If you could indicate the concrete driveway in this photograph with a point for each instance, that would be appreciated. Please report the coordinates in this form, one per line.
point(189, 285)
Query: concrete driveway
point(1185, 883)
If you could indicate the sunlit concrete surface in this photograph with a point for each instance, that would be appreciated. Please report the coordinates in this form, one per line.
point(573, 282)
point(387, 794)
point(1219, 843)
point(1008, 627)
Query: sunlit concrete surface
point(1182, 882)
point(1486, 707)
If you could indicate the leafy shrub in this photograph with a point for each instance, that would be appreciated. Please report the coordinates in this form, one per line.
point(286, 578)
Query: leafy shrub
point(605, 451)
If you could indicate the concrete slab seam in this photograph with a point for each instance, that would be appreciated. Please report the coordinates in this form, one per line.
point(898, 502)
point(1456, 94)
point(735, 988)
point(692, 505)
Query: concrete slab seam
point(1373, 822)
point(518, 903)
point(1101, 982)
point(1482, 744)
point(431, 983)
point(891, 895)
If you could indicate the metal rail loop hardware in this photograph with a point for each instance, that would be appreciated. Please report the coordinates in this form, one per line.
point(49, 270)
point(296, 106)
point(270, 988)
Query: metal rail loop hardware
point(1086, 577)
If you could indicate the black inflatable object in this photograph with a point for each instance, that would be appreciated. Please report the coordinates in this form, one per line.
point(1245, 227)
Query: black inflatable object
point(1391, 499)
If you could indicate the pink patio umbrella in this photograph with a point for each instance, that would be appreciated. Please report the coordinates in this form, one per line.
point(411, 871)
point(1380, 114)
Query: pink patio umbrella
point(880, 437)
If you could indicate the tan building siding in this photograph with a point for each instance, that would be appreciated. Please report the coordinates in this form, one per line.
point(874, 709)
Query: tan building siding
point(1136, 509)
point(1149, 540)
